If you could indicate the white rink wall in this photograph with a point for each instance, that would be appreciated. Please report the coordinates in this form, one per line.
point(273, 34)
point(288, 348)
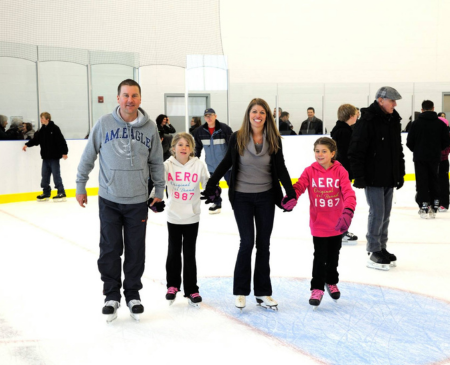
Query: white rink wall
point(21, 171)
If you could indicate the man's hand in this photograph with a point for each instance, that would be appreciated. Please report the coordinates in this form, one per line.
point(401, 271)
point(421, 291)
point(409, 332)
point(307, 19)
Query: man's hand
point(82, 199)
point(156, 205)
point(24, 148)
point(65, 157)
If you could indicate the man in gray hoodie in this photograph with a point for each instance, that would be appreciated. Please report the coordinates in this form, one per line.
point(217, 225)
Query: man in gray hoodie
point(129, 147)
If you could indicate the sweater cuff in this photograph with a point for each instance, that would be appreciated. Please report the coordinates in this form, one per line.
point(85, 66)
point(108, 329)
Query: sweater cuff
point(81, 188)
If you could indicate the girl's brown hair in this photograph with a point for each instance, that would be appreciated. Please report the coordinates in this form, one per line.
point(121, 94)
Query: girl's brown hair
point(188, 139)
point(330, 143)
point(245, 132)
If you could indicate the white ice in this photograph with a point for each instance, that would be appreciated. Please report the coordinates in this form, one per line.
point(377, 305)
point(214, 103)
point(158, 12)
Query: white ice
point(51, 292)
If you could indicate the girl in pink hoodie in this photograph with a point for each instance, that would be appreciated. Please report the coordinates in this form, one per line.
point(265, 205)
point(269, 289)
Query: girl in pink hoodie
point(332, 202)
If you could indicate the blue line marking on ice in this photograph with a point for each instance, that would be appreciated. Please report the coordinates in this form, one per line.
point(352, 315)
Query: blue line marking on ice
point(368, 324)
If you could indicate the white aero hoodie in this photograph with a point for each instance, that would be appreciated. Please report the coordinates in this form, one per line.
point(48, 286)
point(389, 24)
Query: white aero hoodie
point(183, 189)
point(128, 153)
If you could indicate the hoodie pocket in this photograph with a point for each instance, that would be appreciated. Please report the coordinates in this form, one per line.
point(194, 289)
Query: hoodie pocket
point(127, 183)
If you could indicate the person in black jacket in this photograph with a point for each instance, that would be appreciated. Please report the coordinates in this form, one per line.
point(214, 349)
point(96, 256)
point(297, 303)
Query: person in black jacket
point(3, 123)
point(256, 156)
point(196, 122)
point(342, 134)
point(427, 137)
point(53, 147)
point(312, 125)
point(165, 129)
point(378, 165)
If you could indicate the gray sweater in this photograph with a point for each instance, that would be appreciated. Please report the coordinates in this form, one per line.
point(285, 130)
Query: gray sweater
point(127, 154)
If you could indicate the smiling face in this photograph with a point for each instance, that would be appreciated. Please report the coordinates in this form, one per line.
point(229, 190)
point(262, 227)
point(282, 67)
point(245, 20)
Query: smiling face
point(257, 117)
point(310, 113)
point(129, 101)
point(323, 155)
point(182, 151)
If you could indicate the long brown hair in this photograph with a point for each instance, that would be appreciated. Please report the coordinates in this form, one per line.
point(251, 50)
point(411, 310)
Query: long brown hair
point(245, 132)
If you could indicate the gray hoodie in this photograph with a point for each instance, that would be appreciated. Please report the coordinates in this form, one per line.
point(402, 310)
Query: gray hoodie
point(127, 153)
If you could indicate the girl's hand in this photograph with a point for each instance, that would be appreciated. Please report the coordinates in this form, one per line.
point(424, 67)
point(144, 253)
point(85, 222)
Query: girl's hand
point(288, 203)
point(344, 221)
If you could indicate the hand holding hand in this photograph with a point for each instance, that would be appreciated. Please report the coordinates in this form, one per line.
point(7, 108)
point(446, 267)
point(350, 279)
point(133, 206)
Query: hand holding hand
point(344, 221)
point(156, 205)
point(288, 203)
point(211, 194)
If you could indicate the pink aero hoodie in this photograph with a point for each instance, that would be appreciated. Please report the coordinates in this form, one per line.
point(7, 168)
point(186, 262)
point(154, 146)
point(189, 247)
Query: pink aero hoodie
point(330, 192)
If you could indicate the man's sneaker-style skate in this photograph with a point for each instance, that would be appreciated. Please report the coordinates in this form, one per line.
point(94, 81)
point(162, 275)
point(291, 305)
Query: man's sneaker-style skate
point(434, 209)
point(59, 198)
point(423, 212)
point(171, 294)
point(136, 308)
point(240, 302)
point(391, 257)
point(195, 299)
point(442, 209)
point(316, 297)
point(378, 261)
point(333, 290)
point(267, 302)
point(349, 238)
point(110, 309)
point(43, 198)
point(215, 209)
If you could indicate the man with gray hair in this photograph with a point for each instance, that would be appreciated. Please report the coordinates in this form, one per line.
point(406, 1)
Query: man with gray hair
point(378, 165)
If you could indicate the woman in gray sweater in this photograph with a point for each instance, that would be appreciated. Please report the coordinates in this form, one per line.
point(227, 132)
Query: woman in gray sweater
point(256, 157)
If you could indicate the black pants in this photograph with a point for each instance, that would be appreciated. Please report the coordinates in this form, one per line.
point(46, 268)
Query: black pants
point(427, 182)
point(182, 237)
point(253, 210)
point(443, 184)
point(326, 260)
point(122, 226)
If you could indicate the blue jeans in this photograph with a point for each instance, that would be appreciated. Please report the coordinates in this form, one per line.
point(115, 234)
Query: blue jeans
point(250, 210)
point(380, 205)
point(49, 167)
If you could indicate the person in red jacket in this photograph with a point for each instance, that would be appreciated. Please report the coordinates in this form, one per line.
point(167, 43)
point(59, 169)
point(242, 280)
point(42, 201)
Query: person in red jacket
point(332, 203)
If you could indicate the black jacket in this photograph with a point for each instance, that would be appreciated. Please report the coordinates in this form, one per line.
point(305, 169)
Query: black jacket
point(376, 152)
point(278, 169)
point(313, 127)
point(342, 134)
point(427, 137)
point(3, 135)
point(52, 142)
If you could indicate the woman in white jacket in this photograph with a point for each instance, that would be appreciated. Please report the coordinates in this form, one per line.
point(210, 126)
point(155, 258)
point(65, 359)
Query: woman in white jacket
point(183, 173)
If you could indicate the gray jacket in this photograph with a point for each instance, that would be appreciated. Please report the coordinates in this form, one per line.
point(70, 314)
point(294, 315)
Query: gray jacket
point(127, 155)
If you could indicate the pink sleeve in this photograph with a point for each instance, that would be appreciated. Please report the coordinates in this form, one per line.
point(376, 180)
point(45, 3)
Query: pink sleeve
point(302, 184)
point(348, 195)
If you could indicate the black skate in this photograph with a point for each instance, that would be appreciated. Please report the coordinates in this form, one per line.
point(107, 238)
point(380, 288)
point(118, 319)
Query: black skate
point(267, 302)
point(171, 294)
point(391, 257)
point(59, 198)
point(195, 299)
point(43, 198)
point(433, 209)
point(136, 308)
point(316, 298)
point(110, 310)
point(378, 261)
point(333, 290)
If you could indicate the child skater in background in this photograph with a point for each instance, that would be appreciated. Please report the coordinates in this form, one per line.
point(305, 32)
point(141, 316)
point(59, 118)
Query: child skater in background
point(183, 174)
point(332, 202)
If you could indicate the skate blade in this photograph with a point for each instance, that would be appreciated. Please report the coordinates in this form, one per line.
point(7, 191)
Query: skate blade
point(393, 264)
point(195, 305)
point(111, 317)
point(271, 307)
point(43, 200)
point(215, 211)
point(135, 316)
point(383, 267)
point(171, 301)
point(349, 243)
point(315, 307)
point(59, 200)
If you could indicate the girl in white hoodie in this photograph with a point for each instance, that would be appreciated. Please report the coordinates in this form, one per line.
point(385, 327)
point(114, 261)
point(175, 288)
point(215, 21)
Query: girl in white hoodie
point(183, 173)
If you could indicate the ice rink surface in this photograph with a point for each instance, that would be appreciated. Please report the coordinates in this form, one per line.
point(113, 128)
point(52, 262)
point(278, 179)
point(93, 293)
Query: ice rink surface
point(51, 294)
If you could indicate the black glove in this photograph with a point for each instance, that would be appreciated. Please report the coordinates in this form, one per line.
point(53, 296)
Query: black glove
point(211, 194)
point(400, 183)
point(157, 207)
point(359, 183)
